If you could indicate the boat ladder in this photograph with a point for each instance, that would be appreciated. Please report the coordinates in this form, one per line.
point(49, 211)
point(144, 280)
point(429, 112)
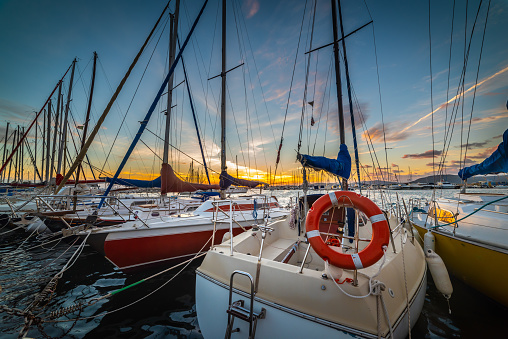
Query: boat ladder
point(238, 310)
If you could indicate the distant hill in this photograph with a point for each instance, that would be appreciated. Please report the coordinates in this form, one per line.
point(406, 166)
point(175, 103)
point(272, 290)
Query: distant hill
point(454, 179)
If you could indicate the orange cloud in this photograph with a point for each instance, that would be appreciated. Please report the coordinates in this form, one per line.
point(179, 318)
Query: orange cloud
point(424, 155)
point(376, 133)
point(252, 7)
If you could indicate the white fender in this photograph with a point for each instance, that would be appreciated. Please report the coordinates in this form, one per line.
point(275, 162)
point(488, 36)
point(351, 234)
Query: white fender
point(439, 273)
point(37, 225)
point(429, 242)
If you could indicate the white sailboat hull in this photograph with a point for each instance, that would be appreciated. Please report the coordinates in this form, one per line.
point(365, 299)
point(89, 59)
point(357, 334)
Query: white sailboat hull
point(280, 321)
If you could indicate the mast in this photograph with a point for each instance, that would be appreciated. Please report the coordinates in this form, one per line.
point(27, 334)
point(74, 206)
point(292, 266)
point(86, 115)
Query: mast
point(48, 138)
point(87, 118)
point(21, 157)
point(63, 144)
point(357, 160)
point(223, 100)
point(10, 163)
point(173, 23)
point(35, 148)
point(43, 145)
point(16, 162)
point(338, 81)
point(55, 132)
point(5, 146)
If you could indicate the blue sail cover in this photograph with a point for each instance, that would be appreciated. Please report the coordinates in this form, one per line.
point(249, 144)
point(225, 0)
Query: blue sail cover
point(496, 163)
point(341, 166)
point(137, 183)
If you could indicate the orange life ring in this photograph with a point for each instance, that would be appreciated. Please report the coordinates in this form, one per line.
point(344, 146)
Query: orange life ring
point(380, 230)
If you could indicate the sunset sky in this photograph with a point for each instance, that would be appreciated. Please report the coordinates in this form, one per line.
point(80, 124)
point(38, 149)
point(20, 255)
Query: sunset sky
point(389, 66)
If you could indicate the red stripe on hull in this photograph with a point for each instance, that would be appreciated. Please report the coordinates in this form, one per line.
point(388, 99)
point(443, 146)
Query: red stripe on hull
point(125, 253)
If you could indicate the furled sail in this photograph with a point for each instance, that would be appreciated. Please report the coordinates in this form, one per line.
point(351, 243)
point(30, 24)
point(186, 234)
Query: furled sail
point(496, 163)
point(171, 183)
point(137, 183)
point(340, 166)
point(227, 180)
point(59, 178)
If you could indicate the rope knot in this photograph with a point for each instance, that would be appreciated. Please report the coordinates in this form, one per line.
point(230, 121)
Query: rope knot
point(377, 287)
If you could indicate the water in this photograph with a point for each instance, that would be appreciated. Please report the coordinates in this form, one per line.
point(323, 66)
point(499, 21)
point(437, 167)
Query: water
point(164, 307)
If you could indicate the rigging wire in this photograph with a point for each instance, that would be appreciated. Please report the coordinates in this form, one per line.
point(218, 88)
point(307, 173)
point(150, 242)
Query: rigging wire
point(213, 126)
point(328, 88)
point(180, 151)
point(310, 35)
point(257, 72)
point(431, 104)
point(380, 98)
point(449, 71)
point(290, 90)
point(476, 83)
point(135, 92)
point(459, 96)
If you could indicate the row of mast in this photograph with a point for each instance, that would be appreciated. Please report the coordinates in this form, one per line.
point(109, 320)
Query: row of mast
point(54, 133)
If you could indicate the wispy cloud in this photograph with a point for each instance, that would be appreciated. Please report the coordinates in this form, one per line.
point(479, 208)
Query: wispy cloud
point(424, 155)
point(457, 96)
point(252, 7)
point(377, 133)
point(485, 154)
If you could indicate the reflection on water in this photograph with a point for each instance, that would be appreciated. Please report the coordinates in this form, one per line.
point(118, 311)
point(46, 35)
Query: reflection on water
point(170, 311)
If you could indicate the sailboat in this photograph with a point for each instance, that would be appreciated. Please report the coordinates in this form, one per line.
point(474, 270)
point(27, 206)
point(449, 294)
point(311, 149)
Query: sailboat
point(366, 279)
point(159, 239)
point(470, 230)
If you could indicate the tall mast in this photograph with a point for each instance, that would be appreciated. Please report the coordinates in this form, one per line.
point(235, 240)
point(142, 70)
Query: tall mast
point(55, 131)
point(87, 118)
point(223, 100)
point(43, 145)
point(21, 157)
point(173, 32)
point(10, 163)
point(16, 162)
point(357, 160)
point(338, 81)
point(5, 147)
point(48, 137)
point(35, 147)
point(64, 127)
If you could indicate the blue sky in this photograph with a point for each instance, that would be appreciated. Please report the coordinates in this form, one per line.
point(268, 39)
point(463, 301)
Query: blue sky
point(39, 40)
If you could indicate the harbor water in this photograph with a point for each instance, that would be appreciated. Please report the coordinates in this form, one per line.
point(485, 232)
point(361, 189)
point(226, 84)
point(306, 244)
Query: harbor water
point(164, 306)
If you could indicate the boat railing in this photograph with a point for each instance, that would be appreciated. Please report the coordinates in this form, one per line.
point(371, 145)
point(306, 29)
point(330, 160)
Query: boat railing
point(218, 210)
point(10, 206)
point(56, 201)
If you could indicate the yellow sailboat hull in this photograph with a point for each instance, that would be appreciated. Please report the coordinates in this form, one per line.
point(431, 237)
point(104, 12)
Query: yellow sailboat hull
point(480, 266)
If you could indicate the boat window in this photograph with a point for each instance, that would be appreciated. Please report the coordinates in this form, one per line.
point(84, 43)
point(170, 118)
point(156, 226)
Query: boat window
point(142, 202)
